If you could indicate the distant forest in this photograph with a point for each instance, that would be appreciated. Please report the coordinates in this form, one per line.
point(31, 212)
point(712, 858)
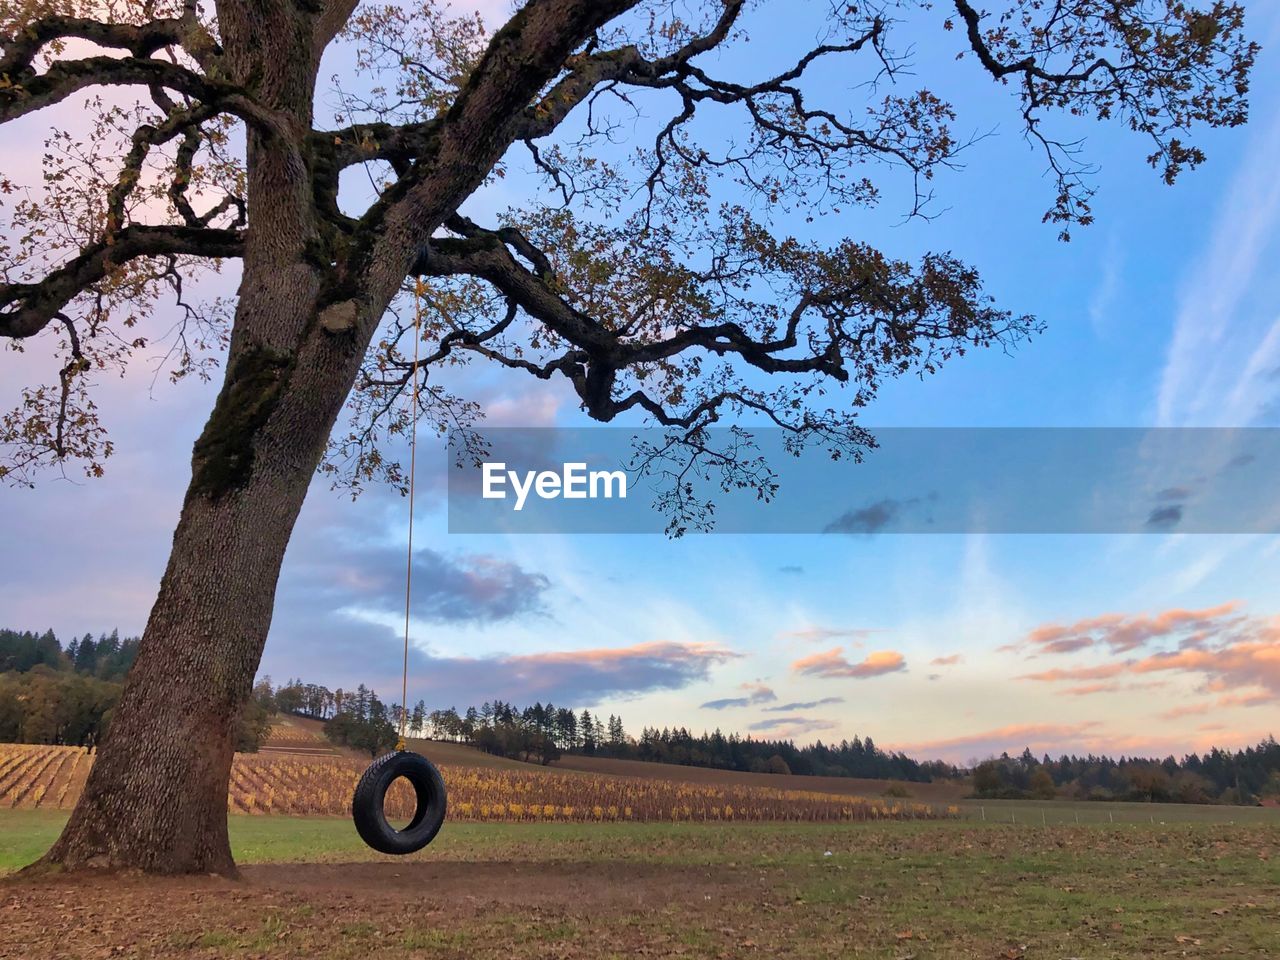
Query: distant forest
point(1248, 776)
point(543, 732)
point(56, 695)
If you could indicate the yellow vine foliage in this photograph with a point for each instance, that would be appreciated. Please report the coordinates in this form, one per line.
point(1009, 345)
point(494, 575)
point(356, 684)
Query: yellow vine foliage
point(47, 777)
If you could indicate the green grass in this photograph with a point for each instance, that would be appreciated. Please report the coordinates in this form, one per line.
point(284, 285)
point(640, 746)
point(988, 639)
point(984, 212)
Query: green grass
point(26, 834)
point(1040, 812)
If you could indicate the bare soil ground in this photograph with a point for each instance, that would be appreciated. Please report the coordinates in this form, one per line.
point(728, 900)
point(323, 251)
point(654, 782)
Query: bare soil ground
point(350, 910)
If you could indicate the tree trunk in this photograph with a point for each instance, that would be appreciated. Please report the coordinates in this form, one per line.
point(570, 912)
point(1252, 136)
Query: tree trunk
point(156, 798)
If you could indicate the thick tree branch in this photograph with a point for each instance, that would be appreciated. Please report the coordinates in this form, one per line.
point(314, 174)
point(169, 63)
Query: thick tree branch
point(598, 352)
point(483, 121)
point(1026, 65)
point(484, 253)
point(27, 308)
point(141, 40)
point(589, 71)
point(25, 90)
point(37, 91)
point(333, 16)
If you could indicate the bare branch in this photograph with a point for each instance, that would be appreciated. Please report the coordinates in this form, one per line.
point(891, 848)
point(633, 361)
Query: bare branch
point(27, 308)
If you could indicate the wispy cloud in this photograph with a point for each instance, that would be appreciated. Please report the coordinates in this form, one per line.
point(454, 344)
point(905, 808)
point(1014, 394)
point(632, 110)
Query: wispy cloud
point(1185, 710)
point(460, 588)
point(788, 727)
point(869, 519)
point(832, 663)
point(1089, 736)
point(819, 634)
point(1093, 689)
point(654, 665)
point(1104, 295)
point(756, 693)
point(1166, 517)
point(1100, 672)
point(1039, 737)
point(1217, 365)
point(1121, 633)
point(803, 705)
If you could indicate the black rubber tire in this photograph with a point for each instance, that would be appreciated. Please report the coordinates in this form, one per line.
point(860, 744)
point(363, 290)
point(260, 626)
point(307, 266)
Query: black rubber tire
point(369, 802)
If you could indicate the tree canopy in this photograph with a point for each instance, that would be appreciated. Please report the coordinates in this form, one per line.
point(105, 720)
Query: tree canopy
point(648, 271)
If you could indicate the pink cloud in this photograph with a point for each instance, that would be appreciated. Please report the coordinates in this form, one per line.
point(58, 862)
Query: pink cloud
point(948, 661)
point(1075, 738)
point(1185, 710)
point(1255, 698)
point(1122, 633)
point(832, 663)
point(1250, 663)
point(826, 633)
point(1090, 689)
point(1101, 672)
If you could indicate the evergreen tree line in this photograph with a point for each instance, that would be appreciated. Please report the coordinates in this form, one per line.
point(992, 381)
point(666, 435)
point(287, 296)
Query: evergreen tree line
point(107, 658)
point(65, 696)
point(1246, 776)
point(357, 719)
point(543, 731)
point(362, 721)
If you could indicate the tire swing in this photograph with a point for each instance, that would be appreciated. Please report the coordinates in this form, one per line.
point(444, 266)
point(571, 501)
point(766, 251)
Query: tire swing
point(368, 805)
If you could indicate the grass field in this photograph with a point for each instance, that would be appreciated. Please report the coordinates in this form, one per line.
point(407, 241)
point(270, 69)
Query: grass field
point(1041, 812)
point(886, 890)
point(1038, 879)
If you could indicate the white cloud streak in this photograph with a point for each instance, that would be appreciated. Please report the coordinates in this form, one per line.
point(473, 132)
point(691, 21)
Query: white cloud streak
point(1220, 359)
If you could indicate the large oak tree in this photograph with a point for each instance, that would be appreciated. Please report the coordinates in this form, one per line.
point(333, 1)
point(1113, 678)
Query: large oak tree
point(648, 270)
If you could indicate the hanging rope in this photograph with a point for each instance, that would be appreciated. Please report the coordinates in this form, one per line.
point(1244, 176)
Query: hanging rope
point(413, 467)
point(368, 803)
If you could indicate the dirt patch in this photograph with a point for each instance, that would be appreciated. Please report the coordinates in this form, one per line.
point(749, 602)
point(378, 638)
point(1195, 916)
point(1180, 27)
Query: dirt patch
point(522, 883)
point(290, 910)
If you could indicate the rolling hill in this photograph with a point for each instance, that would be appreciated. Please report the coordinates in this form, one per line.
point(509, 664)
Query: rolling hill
point(305, 737)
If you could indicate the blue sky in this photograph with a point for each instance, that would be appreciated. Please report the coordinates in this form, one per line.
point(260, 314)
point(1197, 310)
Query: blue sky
point(1161, 314)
